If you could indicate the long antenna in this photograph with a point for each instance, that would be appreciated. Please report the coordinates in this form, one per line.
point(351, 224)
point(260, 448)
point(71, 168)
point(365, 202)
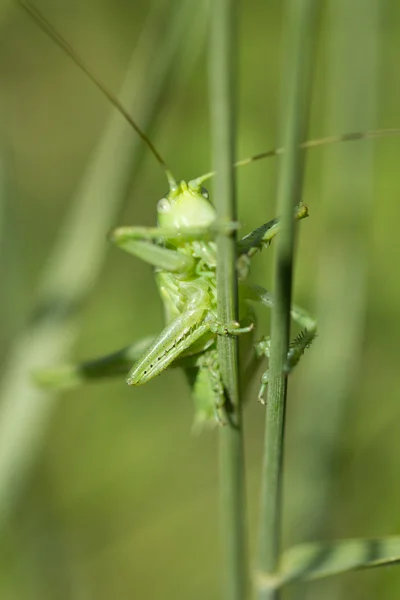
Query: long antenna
point(325, 141)
point(67, 48)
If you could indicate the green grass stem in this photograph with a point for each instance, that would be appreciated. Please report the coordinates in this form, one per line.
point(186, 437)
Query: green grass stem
point(302, 21)
point(222, 81)
point(341, 276)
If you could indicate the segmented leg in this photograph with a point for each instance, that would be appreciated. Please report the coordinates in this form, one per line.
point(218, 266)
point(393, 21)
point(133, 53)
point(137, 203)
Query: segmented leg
point(111, 365)
point(298, 345)
point(296, 349)
point(261, 238)
point(230, 328)
point(179, 335)
point(257, 293)
point(142, 353)
point(136, 233)
point(207, 390)
point(146, 243)
point(152, 253)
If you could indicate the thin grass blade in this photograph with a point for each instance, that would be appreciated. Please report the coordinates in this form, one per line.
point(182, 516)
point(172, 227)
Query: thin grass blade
point(232, 482)
point(318, 560)
point(302, 26)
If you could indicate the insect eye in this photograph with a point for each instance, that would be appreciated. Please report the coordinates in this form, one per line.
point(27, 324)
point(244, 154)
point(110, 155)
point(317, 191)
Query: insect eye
point(163, 205)
point(205, 193)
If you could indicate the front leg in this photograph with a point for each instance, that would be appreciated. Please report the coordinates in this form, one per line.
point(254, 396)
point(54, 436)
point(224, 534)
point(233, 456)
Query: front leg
point(186, 234)
point(141, 242)
point(144, 243)
point(262, 236)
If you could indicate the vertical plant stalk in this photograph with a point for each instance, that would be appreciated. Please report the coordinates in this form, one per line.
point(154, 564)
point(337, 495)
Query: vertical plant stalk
point(352, 89)
point(302, 20)
point(222, 75)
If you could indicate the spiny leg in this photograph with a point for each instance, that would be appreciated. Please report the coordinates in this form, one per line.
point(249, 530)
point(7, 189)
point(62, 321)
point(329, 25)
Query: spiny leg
point(111, 365)
point(260, 238)
point(178, 336)
point(119, 362)
point(296, 350)
point(297, 346)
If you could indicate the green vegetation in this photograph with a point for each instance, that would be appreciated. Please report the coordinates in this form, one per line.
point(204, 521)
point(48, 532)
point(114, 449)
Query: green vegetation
point(105, 492)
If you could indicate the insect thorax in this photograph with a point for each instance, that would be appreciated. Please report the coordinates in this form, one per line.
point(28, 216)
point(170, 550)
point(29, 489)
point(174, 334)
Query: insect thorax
point(178, 291)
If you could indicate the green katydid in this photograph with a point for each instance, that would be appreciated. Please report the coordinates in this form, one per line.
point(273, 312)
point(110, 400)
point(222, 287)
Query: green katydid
point(183, 252)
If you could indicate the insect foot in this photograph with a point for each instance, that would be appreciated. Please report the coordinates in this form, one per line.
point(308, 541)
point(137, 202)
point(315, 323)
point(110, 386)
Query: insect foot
point(232, 328)
point(263, 347)
point(263, 387)
point(298, 346)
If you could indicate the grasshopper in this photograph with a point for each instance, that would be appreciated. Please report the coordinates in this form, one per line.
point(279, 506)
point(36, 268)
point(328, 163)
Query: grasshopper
point(182, 251)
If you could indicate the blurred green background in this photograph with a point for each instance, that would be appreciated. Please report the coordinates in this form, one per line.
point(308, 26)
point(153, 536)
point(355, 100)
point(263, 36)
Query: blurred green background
point(122, 499)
